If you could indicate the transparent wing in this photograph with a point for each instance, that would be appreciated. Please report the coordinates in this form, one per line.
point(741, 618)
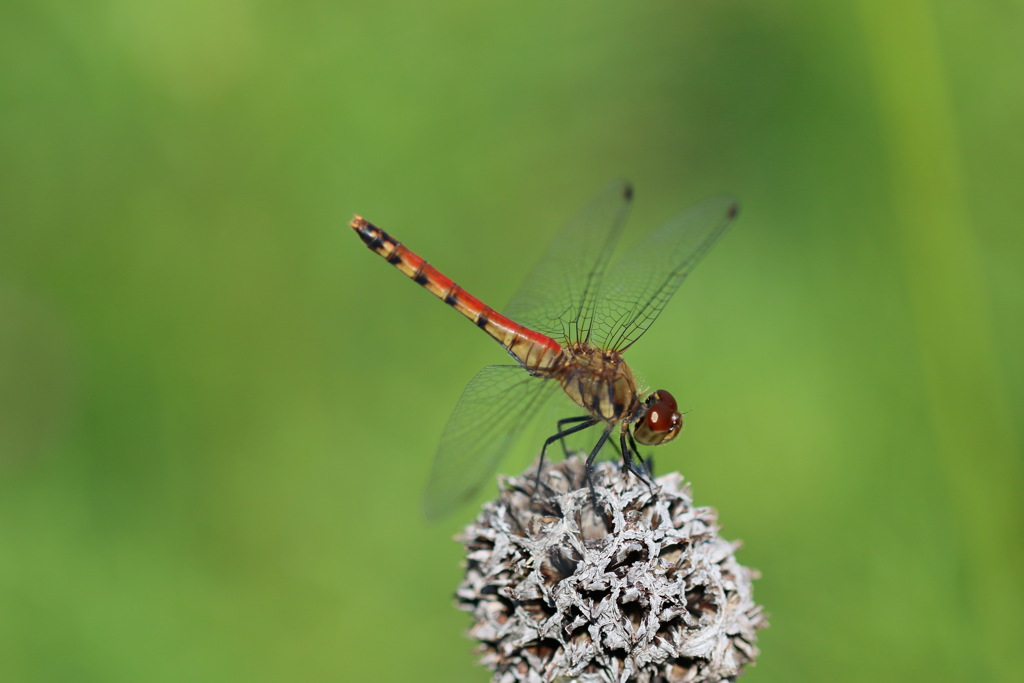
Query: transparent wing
point(558, 298)
point(646, 276)
point(491, 413)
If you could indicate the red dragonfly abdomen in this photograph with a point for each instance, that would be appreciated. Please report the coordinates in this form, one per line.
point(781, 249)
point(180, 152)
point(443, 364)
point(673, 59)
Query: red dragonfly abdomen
point(532, 349)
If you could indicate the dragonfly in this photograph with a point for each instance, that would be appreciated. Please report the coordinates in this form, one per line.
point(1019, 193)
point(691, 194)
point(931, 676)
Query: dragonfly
point(567, 329)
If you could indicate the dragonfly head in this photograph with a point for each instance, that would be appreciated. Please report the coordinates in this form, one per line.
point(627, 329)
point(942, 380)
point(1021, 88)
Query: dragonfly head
point(661, 422)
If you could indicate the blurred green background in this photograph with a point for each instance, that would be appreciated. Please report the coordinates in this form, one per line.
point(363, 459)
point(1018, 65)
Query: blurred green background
point(218, 409)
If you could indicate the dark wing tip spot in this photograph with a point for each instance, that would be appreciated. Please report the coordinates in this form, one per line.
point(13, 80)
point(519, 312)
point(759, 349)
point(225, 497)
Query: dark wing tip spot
point(734, 210)
point(627, 192)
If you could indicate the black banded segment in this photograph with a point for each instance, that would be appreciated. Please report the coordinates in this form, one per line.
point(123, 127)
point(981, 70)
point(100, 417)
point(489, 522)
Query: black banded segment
point(374, 237)
point(451, 297)
point(418, 277)
point(483, 319)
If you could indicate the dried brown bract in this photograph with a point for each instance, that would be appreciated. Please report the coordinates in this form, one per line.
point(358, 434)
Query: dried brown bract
point(639, 587)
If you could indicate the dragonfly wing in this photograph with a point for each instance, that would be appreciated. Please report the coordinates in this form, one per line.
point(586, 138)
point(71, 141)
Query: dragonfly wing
point(558, 298)
point(491, 413)
point(647, 275)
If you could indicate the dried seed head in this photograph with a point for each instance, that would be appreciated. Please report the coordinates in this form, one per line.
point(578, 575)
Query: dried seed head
point(639, 587)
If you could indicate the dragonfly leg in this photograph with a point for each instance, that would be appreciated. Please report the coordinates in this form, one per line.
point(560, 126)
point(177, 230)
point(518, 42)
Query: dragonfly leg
point(590, 461)
point(566, 421)
point(585, 422)
point(647, 462)
point(641, 471)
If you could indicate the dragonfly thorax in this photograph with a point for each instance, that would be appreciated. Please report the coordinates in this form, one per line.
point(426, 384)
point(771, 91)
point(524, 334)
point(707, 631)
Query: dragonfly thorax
point(600, 381)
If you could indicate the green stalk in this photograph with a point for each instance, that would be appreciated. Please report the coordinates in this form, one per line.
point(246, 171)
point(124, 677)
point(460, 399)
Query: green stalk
point(972, 427)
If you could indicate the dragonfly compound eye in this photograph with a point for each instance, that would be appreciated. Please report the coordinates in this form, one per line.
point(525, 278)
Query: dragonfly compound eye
point(662, 422)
